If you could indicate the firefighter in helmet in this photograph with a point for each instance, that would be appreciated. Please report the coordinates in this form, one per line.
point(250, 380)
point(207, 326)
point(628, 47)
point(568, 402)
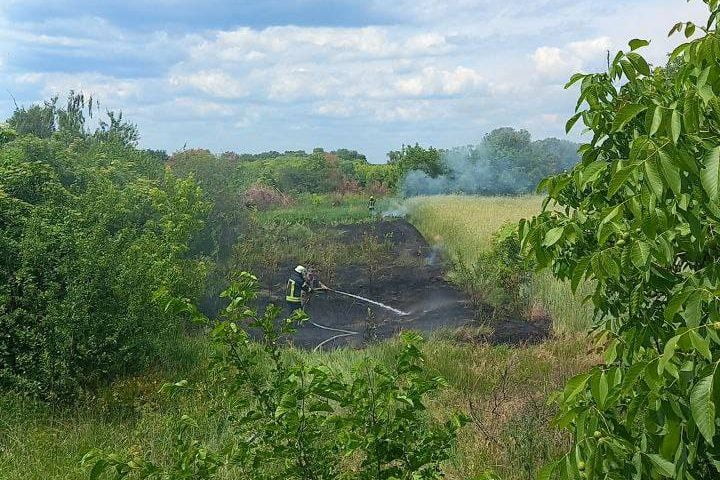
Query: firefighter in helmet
point(296, 285)
point(371, 205)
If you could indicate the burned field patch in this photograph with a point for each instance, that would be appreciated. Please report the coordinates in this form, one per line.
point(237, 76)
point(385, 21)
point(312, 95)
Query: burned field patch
point(388, 262)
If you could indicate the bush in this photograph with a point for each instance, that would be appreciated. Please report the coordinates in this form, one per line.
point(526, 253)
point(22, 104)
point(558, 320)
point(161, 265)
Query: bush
point(89, 234)
point(263, 197)
point(498, 277)
point(295, 420)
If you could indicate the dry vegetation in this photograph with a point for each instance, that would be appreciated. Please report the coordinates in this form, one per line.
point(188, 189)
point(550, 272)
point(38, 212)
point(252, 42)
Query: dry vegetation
point(465, 225)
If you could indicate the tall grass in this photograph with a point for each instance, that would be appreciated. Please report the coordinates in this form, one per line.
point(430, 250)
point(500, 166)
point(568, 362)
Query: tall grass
point(503, 389)
point(465, 225)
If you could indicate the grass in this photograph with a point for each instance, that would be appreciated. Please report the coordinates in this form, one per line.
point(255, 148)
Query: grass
point(503, 389)
point(465, 225)
point(315, 210)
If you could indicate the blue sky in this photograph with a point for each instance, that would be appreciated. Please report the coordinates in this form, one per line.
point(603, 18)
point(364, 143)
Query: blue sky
point(367, 75)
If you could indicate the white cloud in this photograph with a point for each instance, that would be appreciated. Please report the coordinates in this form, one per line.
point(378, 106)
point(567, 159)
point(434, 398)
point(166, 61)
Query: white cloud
point(558, 62)
point(102, 87)
point(552, 61)
point(432, 81)
point(246, 45)
point(590, 49)
point(213, 82)
point(441, 71)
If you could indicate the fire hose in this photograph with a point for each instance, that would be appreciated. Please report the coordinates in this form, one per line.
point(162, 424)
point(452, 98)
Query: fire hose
point(343, 333)
point(347, 333)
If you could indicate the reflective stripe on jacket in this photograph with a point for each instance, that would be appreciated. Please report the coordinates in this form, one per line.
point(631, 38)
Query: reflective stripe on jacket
point(295, 286)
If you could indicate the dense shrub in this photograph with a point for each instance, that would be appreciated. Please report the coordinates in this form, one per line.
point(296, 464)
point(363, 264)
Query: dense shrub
point(263, 197)
point(90, 231)
point(498, 278)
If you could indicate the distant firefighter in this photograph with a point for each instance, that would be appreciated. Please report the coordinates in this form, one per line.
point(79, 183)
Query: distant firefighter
point(371, 204)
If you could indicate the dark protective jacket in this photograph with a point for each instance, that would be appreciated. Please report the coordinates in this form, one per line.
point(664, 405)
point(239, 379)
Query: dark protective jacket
point(371, 204)
point(295, 286)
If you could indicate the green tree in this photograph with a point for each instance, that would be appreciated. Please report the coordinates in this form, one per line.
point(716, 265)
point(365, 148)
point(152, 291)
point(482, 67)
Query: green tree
point(38, 120)
point(416, 157)
point(91, 230)
point(640, 216)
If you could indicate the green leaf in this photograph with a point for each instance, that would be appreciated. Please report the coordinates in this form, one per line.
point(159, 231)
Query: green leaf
point(675, 304)
point(664, 467)
point(591, 172)
point(702, 80)
point(653, 177)
point(670, 172)
point(638, 43)
point(676, 28)
point(639, 63)
point(703, 408)
point(553, 236)
point(693, 310)
point(619, 179)
point(602, 390)
point(700, 344)
point(578, 274)
point(691, 115)
point(626, 114)
point(689, 29)
point(610, 265)
point(668, 353)
point(639, 254)
point(575, 385)
point(710, 175)
point(571, 123)
point(574, 79)
point(656, 120)
point(675, 125)
point(610, 216)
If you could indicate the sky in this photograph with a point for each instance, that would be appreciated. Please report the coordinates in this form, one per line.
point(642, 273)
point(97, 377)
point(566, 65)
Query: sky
point(370, 75)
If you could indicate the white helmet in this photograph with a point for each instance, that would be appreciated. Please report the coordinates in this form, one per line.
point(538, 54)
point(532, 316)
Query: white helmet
point(301, 270)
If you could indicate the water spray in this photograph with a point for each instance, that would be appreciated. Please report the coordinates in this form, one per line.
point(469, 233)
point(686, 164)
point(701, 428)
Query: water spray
point(367, 300)
point(347, 333)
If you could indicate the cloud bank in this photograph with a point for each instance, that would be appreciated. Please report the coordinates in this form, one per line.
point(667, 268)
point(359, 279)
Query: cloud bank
point(363, 75)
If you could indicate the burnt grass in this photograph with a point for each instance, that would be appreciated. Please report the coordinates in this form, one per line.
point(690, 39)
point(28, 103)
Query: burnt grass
point(408, 275)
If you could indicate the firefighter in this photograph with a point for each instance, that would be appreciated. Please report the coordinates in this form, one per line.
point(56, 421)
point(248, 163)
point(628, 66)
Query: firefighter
point(371, 205)
point(296, 285)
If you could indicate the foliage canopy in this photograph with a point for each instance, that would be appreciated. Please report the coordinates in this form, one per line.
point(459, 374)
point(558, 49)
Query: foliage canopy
point(640, 215)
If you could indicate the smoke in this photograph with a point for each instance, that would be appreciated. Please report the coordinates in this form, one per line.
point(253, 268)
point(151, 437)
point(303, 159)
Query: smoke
point(470, 170)
point(505, 162)
point(434, 256)
point(399, 212)
point(395, 209)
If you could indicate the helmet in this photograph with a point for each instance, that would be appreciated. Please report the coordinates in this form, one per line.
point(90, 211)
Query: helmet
point(301, 270)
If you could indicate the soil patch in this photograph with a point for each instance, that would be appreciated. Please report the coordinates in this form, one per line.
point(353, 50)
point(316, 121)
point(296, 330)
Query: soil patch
point(409, 277)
